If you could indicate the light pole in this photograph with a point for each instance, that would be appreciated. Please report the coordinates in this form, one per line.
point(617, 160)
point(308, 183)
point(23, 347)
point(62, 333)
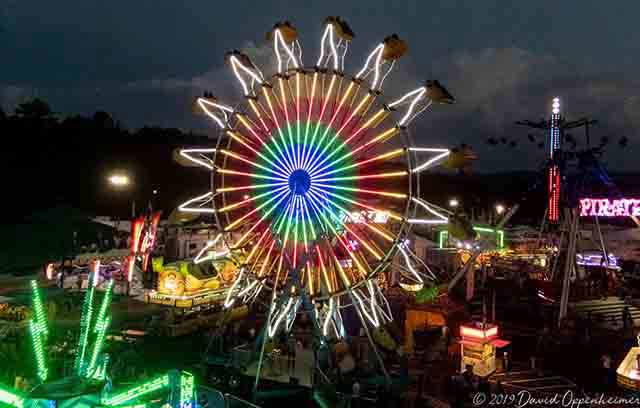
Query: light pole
point(121, 181)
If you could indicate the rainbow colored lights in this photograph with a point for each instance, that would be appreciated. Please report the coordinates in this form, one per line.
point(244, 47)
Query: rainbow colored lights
point(301, 167)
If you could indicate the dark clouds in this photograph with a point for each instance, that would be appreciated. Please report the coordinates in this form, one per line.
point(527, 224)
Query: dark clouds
point(145, 60)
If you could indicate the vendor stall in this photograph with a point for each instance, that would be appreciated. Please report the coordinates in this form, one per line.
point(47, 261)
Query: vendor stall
point(478, 345)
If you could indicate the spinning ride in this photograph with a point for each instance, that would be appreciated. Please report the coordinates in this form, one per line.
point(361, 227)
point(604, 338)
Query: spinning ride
point(316, 179)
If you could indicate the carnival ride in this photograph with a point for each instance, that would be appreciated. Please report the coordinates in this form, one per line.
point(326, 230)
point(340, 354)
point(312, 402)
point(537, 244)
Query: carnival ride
point(316, 181)
point(89, 384)
point(573, 177)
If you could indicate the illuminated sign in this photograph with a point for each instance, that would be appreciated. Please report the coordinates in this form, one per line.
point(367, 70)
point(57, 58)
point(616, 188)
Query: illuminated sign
point(603, 207)
point(479, 332)
point(360, 217)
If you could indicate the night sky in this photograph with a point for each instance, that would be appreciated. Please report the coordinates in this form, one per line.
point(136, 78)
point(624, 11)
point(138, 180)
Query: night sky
point(144, 62)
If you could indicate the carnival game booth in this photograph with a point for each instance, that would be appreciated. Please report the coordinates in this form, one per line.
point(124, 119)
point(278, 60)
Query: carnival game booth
point(73, 273)
point(478, 345)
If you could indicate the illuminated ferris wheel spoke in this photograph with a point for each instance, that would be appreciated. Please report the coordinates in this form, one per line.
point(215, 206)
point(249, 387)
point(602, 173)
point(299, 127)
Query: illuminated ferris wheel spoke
point(283, 216)
point(254, 164)
point(362, 205)
point(382, 137)
point(257, 108)
point(335, 137)
point(323, 109)
point(364, 177)
point(341, 240)
point(251, 187)
point(257, 245)
point(263, 157)
point(370, 246)
point(278, 127)
point(264, 144)
point(245, 201)
point(258, 208)
point(331, 121)
point(362, 190)
point(285, 108)
point(265, 262)
point(367, 223)
point(298, 140)
point(377, 158)
point(289, 219)
point(253, 175)
point(309, 114)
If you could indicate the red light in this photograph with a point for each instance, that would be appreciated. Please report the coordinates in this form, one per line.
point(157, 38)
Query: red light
point(554, 194)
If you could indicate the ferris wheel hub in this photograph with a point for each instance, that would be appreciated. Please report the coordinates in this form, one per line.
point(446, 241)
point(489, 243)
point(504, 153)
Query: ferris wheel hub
point(299, 182)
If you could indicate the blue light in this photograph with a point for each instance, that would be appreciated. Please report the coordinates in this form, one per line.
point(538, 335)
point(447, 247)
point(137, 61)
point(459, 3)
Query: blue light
point(299, 182)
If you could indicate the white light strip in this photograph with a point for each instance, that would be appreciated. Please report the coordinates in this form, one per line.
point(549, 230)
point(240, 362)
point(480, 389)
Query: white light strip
point(412, 106)
point(231, 298)
point(272, 327)
point(406, 96)
point(205, 104)
point(366, 68)
point(332, 44)
point(185, 207)
point(279, 40)
point(235, 64)
point(442, 154)
point(201, 255)
point(408, 263)
point(207, 164)
point(441, 219)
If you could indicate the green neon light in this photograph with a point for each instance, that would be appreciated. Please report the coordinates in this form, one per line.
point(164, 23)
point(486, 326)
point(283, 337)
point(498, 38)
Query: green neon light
point(85, 326)
point(187, 385)
point(442, 237)
point(37, 339)
point(137, 391)
point(9, 397)
point(38, 308)
point(106, 302)
point(500, 239)
point(102, 323)
point(483, 229)
point(102, 326)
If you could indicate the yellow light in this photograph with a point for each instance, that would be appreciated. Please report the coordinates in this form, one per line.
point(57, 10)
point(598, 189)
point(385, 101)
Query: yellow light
point(119, 180)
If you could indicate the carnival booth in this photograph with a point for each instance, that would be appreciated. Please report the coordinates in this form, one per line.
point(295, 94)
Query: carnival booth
point(478, 347)
point(628, 372)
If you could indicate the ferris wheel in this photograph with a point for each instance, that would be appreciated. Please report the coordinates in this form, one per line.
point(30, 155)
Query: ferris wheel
point(316, 179)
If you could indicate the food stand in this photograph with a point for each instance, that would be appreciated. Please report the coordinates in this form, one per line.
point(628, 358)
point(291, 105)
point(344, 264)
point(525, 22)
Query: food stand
point(478, 345)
